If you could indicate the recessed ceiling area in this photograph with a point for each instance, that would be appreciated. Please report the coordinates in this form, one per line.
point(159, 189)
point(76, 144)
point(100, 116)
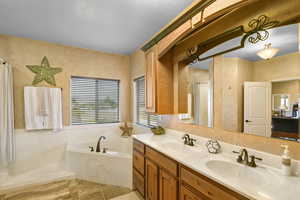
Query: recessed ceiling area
point(113, 26)
point(285, 38)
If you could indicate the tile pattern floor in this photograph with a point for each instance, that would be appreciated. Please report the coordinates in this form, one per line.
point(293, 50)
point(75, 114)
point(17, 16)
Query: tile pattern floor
point(67, 190)
point(129, 196)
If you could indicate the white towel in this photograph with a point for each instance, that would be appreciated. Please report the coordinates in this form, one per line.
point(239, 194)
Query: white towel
point(43, 108)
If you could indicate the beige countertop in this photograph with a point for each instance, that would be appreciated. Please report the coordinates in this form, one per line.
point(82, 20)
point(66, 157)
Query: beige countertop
point(262, 183)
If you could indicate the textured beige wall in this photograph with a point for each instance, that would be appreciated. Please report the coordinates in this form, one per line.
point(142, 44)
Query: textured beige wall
point(137, 64)
point(229, 70)
point(234, 72)
point(4, 47)
point(137, 69)
point(287, 87)
point(281, 67)
point(245, 73)
point(299, 37)
point(198, 75)
point(74, 61)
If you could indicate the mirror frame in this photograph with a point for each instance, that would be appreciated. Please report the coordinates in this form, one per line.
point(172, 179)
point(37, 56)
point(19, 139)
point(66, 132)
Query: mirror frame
point(258, 32)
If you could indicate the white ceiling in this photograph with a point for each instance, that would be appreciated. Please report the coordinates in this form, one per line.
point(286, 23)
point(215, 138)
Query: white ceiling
point(285, 38)
point(114, 26)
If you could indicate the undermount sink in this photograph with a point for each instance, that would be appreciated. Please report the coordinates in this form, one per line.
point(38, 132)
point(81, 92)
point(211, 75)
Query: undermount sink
point(235, 171)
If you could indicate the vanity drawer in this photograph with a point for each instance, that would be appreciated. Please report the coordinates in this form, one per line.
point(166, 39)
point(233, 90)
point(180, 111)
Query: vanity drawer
point(164, 162)
point(207, 187)
point(139, 146)
point(139, 182)
point(138, 162)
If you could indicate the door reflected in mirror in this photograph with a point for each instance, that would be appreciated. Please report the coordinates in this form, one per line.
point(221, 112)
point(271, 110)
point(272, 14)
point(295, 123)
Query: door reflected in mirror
point(261, 86)
point(197, 83)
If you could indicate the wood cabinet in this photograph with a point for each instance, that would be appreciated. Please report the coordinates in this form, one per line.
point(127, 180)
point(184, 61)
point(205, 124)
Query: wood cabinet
point(139, 182)
point(159, 83)
point(164, 162)
point(186, 194)
point(161, 179)
point(138, 162)
point(207, 187)
point(165, 179)
point(167, 186)
point(151, 180)
point(167, 42)
point(220, 7)
point(138, 167)
point(150, 80)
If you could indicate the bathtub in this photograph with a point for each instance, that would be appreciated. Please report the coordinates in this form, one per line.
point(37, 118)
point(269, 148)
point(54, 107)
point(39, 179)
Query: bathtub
point(44, 157)
point(113, 167)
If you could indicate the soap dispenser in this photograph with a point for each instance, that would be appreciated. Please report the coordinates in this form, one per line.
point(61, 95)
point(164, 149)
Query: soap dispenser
point(286, 161)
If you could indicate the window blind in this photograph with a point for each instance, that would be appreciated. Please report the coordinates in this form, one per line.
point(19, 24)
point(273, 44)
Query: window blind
point(142, 117)
point(95, 101)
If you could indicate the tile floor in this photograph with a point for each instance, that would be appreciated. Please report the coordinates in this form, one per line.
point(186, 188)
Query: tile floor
point(69, 190)
point(130, 196)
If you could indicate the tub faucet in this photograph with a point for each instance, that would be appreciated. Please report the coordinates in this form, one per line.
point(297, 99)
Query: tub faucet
point(98, 149)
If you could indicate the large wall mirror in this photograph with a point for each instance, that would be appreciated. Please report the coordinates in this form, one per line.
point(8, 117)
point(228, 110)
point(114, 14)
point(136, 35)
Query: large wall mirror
point(260, 84)
point(198, 84)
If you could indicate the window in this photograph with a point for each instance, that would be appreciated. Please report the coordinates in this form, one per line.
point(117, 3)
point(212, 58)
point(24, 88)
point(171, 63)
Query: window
point(95, 101)
point(142, 117)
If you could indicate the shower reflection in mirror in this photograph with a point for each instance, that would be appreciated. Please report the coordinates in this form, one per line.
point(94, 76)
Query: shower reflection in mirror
point(199, 85)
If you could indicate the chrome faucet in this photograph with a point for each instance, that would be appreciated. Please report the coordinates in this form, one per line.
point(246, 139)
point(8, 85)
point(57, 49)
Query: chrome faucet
point(188, 140)
point(98, 149)
point(244, 158)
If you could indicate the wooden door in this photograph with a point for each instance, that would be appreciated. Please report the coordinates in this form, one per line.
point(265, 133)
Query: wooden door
point(186, 194)
point(151, 181)
point(167, 186)
point(257, 108)
point(150, 79)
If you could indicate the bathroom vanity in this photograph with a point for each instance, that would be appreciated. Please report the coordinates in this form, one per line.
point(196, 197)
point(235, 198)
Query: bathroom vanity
point(156, 176)
point(166, 169)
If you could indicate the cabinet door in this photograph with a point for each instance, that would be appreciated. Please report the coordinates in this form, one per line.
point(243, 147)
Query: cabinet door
point(186, 194)
point(138, 162)
point(150, 86)
point(151, 181)
point(138, 182)
point(167, 186)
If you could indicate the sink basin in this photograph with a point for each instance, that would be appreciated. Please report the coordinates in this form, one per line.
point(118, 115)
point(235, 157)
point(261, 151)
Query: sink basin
point(236, 172)
point(178, 146)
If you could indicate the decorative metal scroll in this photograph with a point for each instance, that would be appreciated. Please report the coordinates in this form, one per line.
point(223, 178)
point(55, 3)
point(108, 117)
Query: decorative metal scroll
point(259, 29)
point(258, 32)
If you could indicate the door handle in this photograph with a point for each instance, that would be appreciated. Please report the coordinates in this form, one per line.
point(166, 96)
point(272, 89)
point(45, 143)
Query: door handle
point(247, 121)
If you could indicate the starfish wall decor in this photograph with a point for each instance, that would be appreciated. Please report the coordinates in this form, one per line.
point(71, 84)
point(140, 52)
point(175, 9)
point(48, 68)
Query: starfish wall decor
point(44, 72)
point(127, 131)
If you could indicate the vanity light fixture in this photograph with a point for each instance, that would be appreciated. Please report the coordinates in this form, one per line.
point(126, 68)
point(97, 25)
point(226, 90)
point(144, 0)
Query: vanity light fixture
point(268, 52)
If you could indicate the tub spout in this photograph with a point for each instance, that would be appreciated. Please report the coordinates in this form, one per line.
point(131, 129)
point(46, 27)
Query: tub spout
point(98, 149)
